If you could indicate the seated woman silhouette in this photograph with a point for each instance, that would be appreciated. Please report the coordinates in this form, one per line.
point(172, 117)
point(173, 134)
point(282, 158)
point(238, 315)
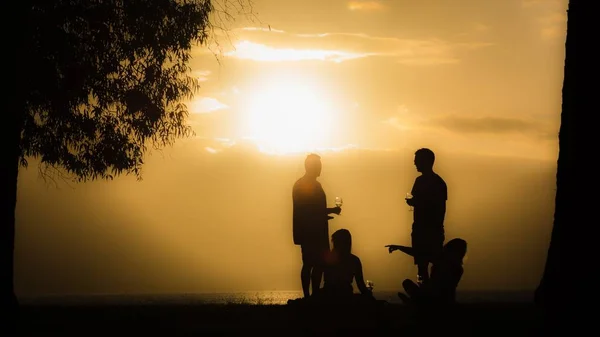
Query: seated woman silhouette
point(446, 272)
point(343, 267)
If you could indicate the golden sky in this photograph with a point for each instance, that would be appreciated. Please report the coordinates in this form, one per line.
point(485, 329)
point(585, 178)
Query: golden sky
point(363, 83)
point(482, 76)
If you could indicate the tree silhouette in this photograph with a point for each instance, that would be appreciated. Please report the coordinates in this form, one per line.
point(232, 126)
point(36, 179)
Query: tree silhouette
point(99, 82)
point(566, 283)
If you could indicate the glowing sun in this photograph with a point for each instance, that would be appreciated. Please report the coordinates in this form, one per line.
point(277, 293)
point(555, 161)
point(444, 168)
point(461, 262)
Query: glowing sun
point(288, 116)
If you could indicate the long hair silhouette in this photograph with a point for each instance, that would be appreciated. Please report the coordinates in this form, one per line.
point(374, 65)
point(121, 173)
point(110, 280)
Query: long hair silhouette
point(342, 242)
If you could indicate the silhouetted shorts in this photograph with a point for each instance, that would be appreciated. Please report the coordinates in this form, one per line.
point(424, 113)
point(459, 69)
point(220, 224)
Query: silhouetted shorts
point(427, 244)
point(314, 253)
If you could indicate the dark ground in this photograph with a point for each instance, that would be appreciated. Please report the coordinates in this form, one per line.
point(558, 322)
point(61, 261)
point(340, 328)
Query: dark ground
point(256, 320)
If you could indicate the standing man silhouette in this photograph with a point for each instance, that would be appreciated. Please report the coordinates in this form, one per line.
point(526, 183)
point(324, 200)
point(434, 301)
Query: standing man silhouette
point(311, 224)
point(429, 195)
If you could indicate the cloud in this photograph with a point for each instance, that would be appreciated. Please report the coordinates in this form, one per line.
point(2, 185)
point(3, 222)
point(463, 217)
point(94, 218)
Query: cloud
point(485, 124)
point(260, 52)
point(262, 29)
point(212, 150)
point(365, 5)
point(475, 31)
point(206, 105)
point(551, 33)
point(218, 145)
point(554, 25)
point(263, 45)
point(551, 16)
point(213, 145)
point(404, 119)
point(533, 3)
point(201, 75)
point(480, 27)
point(494, 125)
point(250, 146)
point(407, 120)
point(420, 61)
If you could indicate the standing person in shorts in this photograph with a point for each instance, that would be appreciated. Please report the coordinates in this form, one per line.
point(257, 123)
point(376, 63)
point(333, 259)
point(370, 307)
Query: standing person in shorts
point(311, 224)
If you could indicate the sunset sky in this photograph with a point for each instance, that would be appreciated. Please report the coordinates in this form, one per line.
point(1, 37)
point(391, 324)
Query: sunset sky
point(480, 76)
point(364, 84)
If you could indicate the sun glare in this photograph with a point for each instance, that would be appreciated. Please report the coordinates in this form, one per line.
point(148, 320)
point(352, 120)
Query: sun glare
point(289, 116)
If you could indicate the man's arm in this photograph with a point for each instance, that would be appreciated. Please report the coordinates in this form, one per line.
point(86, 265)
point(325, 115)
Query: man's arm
point(299, 215)
point(415, 193)
point(333, 210)
point(327, 211)
point(436, 203)
point(404, 249)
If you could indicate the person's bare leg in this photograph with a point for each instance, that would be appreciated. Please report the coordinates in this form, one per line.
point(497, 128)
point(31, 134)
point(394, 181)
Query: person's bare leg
point(305, 278)
point(316, 277)
point(423, 272)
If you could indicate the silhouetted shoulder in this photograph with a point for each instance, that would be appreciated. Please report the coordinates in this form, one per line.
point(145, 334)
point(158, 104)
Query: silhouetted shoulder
point(430, 186)
point(306, 182)
point(300, 184)
point(443, 188)
point(304, 186)
point(355, 260)
point(440, 179)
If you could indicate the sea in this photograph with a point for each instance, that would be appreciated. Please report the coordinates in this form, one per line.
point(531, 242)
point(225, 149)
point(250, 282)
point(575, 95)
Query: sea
point(247, 298)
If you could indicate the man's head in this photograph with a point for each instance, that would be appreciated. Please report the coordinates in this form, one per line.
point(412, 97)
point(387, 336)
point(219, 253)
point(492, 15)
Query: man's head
point(424, 159)
point(312, 165)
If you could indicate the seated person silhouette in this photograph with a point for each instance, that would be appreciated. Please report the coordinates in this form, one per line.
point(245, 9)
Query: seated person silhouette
point(446, 272)
point(341, 268)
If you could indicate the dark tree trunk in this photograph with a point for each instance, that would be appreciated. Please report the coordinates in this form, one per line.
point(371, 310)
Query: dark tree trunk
point(8, 177)
point(10, 129)
point(16, 77)
point(571, 256)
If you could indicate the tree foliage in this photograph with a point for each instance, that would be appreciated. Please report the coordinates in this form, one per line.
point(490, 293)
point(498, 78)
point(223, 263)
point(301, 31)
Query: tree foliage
point(106, 80)
point(97, 83)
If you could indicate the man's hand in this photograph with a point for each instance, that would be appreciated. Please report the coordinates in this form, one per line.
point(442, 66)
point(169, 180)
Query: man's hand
point(336, 210)
point(392, 248)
